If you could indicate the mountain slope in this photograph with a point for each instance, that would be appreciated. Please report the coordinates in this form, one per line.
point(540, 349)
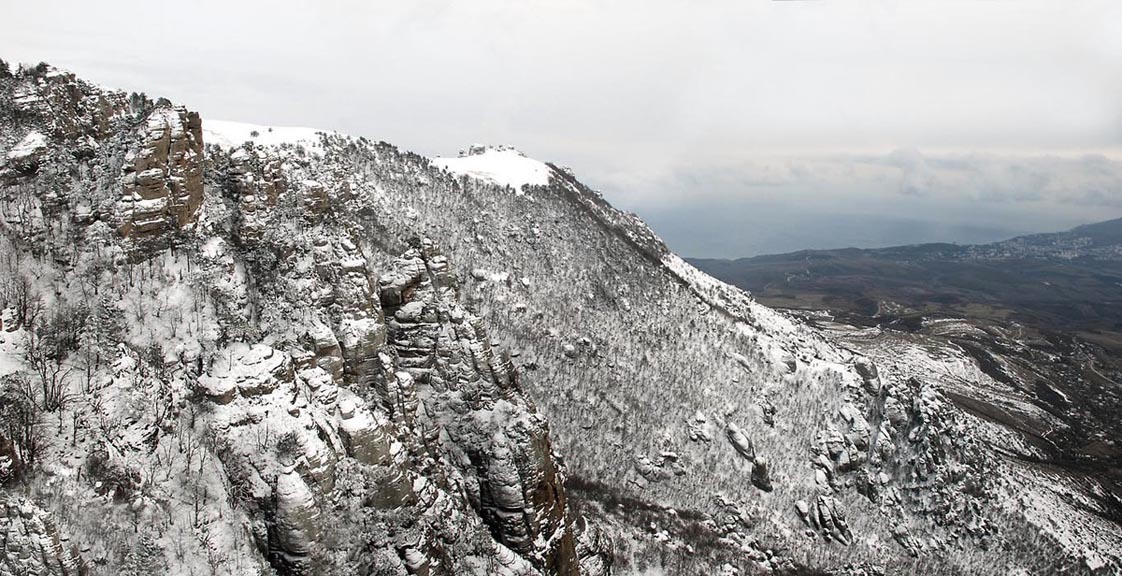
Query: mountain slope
point(254, 395)
point(1038, 314)
point(699, 431)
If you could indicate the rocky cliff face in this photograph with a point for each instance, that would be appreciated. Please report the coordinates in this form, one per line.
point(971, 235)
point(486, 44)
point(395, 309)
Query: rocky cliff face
point(341, 358)
point(31, 543)
point(509, 468)
point(399, 408)
point(78, 138)
point(263, 397)
point(162, 181)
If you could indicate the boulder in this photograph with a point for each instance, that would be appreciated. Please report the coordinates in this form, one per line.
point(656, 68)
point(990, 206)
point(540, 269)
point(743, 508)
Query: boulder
point(740, 442)
point(698, 428)
point(903, 536)
point(831, 520)
point(803, 510)
point(760, 477)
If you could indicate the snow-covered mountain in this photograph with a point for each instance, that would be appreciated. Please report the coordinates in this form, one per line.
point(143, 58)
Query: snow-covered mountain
point(245, 350)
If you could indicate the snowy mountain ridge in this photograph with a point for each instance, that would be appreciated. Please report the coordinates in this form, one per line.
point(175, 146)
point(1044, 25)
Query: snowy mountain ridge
point(307, 353)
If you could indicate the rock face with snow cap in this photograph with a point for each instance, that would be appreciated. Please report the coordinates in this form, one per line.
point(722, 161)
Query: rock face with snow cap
point(71, 109)
point(296, 524)
point(320, 380)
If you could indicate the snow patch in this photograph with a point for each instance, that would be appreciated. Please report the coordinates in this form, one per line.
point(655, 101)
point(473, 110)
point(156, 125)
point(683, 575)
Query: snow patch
point(502, 165)
point(31, 144)
point(233, 134)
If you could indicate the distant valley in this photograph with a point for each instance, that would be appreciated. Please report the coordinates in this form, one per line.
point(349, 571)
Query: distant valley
point(1070, 280)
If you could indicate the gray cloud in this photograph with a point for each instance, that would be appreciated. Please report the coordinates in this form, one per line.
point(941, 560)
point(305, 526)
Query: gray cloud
point(789, 203)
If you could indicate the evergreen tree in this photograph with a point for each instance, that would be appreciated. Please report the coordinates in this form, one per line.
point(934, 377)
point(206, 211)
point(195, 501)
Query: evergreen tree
point(145, 559)
point(102, 331)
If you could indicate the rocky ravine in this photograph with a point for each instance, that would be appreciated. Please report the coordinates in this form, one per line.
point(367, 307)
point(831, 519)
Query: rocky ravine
point(236, 352)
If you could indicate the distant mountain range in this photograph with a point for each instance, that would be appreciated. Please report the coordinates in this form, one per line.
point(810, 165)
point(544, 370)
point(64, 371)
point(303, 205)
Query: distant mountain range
point(1069, 279)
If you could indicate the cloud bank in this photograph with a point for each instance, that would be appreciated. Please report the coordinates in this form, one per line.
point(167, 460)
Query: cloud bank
point(783, 204)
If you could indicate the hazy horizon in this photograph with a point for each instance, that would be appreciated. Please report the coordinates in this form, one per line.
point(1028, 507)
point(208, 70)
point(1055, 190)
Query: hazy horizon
point(733, 128)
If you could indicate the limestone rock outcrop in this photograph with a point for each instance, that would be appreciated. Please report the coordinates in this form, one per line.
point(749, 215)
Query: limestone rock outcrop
point(161, 185)
point(71, 110)
point(512, 476)
point(30, 543)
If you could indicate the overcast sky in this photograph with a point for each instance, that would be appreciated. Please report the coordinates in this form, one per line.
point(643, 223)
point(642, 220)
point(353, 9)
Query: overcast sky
point(733, 127)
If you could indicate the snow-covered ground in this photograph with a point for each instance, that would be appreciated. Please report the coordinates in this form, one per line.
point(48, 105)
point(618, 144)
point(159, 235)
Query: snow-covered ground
point(504, 166)
point(233, 134)
point(1046, 499)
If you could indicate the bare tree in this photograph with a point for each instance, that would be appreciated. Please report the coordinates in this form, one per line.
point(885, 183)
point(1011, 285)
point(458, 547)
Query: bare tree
point(21, 416)
point(25, 301)
point(45, 356)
